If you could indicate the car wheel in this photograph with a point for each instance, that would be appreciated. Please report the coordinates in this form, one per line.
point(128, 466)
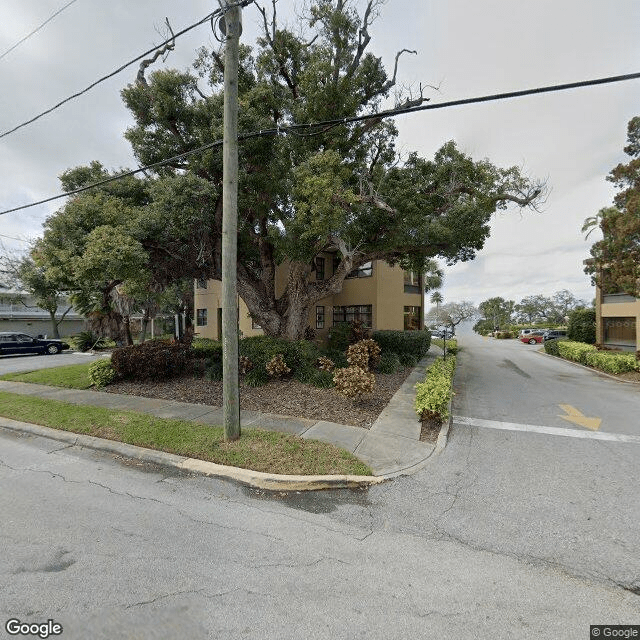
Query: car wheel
point(52, 349)
point(532, 341)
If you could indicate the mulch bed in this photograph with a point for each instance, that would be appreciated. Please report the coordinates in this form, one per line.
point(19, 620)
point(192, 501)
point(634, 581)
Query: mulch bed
point(430, 429)
point(283, 397)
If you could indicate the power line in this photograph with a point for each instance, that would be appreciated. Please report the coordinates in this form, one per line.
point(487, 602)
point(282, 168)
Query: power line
point(49, 19)
point(207, 18)
point(12, 238)
point(391, 113)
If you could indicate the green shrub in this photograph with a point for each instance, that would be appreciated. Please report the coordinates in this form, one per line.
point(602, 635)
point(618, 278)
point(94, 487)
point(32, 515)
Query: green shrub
point(575, 351)
point(612, 362)
point(86, 340)
point(206, 348)
point(260, 350)
point(452, 345)
point(551, 346)
point(101, 373)
point(582, 326)
point(256, 377)
point(339, 357)
point(413, 342)
point(389, 363)
point(433, 395)
point(339, 337)
point(408, 360)
point(213, 370)
point(316, 377)
point(151, 360)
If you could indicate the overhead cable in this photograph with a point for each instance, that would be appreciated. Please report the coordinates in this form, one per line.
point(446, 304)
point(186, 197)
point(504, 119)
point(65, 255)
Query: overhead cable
point(336, 122)
point(117, 71)
point(49, 19)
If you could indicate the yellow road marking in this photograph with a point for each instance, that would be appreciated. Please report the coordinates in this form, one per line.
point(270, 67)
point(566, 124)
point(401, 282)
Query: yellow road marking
point(577, 417)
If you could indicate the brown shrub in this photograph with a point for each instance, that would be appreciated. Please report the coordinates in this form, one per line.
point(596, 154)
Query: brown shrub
point(353, 382)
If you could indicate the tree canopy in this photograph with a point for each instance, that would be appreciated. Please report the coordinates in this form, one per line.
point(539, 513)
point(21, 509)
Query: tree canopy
point(343, 189)
point(615, 263)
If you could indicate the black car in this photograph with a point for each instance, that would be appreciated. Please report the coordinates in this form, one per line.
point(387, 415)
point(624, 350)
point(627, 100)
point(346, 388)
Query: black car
point(12, 343)
point(554, 334)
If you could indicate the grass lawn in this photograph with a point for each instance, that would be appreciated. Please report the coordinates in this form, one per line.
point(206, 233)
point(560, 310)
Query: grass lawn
point(71, 376)
point(257, 449)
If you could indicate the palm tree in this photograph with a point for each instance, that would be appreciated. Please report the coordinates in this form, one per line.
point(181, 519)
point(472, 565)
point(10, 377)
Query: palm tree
point(436, 298)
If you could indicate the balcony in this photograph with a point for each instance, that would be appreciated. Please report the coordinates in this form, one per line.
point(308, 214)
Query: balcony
point(8, 311)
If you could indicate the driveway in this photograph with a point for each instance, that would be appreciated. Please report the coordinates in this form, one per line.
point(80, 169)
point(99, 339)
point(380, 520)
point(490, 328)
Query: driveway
point(17, 363)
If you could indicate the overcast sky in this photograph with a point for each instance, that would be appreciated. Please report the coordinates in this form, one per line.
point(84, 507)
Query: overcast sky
point(468, 48)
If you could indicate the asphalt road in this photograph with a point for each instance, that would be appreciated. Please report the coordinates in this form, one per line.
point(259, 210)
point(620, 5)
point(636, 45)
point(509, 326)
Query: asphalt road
point(18, 363)
point(506, 534)
point(112, 551)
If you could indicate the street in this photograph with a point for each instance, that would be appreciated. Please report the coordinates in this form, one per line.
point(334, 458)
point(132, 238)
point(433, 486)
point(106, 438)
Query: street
point(18, 363)
point(505, 534)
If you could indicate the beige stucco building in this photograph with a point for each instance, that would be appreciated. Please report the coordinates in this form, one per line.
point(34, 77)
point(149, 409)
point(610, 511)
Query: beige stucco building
point(617, 320)
point(381, 296)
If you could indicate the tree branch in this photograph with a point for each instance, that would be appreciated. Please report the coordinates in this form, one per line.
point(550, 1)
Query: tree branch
point(363, 39)
point(390, 83)
point(147, 62)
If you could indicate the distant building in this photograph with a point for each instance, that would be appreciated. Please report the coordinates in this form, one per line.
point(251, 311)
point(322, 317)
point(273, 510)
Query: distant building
point(617, 320)
point(18, 312)
point(617, 315)
point(381, 296)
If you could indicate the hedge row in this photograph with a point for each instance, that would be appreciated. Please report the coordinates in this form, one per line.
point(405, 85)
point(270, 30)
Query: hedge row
point(587, 354)
point(414, 343)
point(452, 345)
point(433, 395)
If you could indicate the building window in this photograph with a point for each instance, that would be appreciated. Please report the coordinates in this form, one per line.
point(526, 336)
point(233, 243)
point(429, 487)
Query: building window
point(620, 331)
point(364, 271)
point(412, 318)
point(201, 283)
point(319, 317)
point(362, 312)
point(412, 282)
point(201, 318)
point(319, 268)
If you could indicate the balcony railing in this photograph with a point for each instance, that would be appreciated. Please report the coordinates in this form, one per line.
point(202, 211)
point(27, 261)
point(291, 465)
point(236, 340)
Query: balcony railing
point(20, 311)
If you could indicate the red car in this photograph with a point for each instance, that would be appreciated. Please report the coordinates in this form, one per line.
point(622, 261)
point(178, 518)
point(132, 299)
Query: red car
point(532, 338)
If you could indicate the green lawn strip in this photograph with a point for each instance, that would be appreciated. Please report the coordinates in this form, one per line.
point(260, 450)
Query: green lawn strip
point(257, 449)
point(71, 376)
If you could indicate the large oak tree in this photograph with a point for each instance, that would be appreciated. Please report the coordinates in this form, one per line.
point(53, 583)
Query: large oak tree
point(342, 189)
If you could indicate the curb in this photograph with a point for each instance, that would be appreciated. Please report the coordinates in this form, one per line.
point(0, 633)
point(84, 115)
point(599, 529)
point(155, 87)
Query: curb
point(255, 479)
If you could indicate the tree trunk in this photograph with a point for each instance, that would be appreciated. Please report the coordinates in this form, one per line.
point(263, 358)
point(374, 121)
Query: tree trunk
point(127, 330)
point(144, 326)
point(54, 325)
point(288, 316)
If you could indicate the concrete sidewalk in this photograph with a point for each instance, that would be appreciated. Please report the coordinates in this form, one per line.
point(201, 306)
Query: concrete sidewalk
point(391, 447)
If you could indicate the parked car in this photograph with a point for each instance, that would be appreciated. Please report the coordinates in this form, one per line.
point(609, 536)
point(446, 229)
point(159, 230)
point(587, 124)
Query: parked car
point(533, 337)
point(11, 343)
point(554, 334)
point(442, 333)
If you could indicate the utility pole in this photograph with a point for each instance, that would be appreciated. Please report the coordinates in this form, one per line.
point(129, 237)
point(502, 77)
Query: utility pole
point(230, 389)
